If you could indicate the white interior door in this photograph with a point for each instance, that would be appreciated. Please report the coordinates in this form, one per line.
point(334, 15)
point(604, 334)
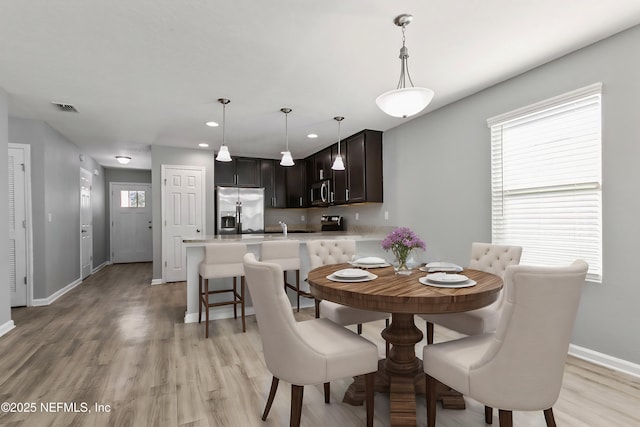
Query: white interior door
point(131, 233)
point(17, 228)
point(86, 224)
point(183, 216)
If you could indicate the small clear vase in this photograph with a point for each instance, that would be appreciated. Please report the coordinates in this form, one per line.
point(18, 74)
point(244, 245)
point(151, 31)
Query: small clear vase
point(400, 264)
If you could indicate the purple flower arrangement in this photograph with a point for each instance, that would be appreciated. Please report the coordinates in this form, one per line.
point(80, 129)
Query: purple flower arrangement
point(402, 241)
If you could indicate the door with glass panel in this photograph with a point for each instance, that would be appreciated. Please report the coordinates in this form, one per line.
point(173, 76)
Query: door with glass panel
point(131, 233)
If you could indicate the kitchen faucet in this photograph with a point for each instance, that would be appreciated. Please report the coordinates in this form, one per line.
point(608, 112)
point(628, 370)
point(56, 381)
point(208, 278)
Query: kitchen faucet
point(284, 228)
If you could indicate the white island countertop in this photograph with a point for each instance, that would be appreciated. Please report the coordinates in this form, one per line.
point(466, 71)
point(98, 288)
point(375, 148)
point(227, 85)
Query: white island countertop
point(302, 237)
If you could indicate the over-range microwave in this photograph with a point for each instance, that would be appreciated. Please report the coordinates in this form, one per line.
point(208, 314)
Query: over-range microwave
point(320, 192)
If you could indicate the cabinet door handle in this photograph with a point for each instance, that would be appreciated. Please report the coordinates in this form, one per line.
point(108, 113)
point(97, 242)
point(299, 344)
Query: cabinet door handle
point(300, 201)
point(274, 202)
point(346, 193)
point(331, 198)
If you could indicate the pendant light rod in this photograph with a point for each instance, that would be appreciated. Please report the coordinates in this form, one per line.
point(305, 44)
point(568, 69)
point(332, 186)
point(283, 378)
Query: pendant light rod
point(338, 163)
point(223, 154)
point(287, 159)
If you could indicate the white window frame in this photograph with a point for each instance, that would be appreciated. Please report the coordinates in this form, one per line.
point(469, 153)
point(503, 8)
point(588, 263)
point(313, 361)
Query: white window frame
point(504, 191)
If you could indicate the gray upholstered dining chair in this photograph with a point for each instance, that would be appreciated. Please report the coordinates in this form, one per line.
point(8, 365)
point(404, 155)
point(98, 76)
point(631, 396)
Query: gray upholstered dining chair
point(323, 252)
point(489, 258)
point(302, 353)
point(518, 367)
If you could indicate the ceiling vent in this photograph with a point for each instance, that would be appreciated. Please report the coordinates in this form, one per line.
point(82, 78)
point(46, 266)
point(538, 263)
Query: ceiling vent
point(67, 108)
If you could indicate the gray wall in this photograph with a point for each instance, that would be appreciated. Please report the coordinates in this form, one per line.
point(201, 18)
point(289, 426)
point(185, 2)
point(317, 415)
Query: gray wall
point(55, 189)
point(185, 157)
point(5, 294)
point(437, 179)
point(118, 175)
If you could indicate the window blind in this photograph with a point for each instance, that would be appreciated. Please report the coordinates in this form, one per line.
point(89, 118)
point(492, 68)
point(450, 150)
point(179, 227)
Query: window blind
point(546, 180)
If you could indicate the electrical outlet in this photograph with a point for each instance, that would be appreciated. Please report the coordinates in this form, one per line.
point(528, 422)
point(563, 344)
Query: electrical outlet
point(357, 216)
point(301, 217)
point(386, 215)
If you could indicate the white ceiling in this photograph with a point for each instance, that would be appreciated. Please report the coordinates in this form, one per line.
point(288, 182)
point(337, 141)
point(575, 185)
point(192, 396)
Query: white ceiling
point(149, 72)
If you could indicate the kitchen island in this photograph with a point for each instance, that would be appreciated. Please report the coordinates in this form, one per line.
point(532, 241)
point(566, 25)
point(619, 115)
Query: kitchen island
point(367, 245)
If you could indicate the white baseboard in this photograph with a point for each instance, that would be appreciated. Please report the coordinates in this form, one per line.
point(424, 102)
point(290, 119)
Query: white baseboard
point(37, 302)
point(217, 313)
point(7, 326)
point(605, 360)
point(156, 282)
point(100, 267)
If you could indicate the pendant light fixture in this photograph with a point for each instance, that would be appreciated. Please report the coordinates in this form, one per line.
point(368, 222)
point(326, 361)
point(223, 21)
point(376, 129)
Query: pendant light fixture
point(287, 160)
point(223, 154)
point(404, 101)
point(338, 164)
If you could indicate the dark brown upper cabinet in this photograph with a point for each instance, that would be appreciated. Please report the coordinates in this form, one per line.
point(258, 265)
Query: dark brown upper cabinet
point(296, 178)
point(239, 172)
point(364, 167)
point(273, 179)
point(322, 165)
point(339, 178)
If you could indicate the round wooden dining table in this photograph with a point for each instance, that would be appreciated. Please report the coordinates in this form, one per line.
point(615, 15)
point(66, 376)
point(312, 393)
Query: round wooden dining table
point(401, 374)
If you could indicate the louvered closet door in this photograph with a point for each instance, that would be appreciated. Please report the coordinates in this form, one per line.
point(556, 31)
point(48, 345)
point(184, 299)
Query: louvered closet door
point(17, 231)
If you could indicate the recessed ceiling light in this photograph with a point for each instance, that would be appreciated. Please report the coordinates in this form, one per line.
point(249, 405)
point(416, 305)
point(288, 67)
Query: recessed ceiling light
point(203, 144)
point(212, 124)
point(312, 135)
point(123, 160)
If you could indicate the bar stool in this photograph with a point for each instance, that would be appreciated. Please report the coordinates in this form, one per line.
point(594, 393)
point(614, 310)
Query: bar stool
point(222, 260)
point(285, 253)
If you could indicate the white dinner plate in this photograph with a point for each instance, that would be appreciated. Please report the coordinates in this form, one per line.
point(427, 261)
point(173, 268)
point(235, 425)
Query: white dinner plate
point(446, 278)
point(466, 284)
point(441, 266)
point(382, 264)
point(350, 273)
point(370, 260)
point(367, 278)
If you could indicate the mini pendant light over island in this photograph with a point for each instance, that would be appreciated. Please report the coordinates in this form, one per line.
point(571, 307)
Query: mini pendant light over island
point(338, 163)
point(287, 159)
point(223, 154)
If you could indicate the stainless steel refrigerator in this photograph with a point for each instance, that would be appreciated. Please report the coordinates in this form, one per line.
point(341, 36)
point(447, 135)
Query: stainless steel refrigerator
point(239, 210)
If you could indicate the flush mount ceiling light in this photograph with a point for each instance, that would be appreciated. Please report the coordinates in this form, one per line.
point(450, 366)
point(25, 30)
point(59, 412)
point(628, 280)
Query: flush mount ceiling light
point(338, 164)
point(287, 160)
point(404, 101)
point(223, 154)
point(123, 160)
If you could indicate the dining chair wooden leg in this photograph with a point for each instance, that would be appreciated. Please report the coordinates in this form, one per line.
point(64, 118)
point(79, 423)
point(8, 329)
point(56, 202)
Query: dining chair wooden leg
point(431, 400)
point(548, 417)
point(317, 301)
point(206, 314)
point(505, 417)
point(327, 392)
point(272, 394)
point(369, 386)
point(359, 328)
point(235, 293)
point(386, 322)
point(429, 333)
point(297, 392)
point(298, 288)
point(488, 415)
point(242, 286)
point(200, 299)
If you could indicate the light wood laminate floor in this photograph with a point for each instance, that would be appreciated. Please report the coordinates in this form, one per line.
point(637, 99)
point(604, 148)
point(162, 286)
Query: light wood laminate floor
point(115, 340)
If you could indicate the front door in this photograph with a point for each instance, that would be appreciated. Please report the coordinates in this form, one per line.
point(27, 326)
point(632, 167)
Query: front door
point(131, 234)
point(183, 216)
point(86, 224)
